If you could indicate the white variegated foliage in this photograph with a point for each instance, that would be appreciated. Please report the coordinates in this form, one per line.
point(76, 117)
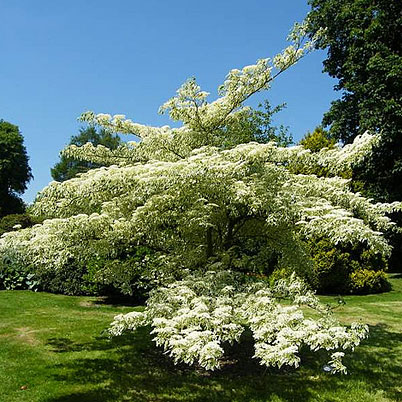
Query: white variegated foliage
point(194, 319)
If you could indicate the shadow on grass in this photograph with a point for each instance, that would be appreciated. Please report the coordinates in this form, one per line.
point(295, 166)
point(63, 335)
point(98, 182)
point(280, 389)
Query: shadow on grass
point(378, 361)
point(120, 300)
point(66, 345)
point(134, 370)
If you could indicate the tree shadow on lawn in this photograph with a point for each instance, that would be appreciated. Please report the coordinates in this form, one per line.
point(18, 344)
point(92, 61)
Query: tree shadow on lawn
point(120, 300)
point(135, 370)
point(378, 361)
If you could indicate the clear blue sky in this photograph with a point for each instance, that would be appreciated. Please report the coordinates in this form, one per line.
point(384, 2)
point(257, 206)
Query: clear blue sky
point(61, 58)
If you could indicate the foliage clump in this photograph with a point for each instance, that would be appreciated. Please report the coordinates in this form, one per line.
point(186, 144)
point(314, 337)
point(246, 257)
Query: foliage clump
point(195, 319)
point(13, 276)
point(12, 222)
point(363, 281)
point(317, 140)
point(337, 268)
point(15, 172)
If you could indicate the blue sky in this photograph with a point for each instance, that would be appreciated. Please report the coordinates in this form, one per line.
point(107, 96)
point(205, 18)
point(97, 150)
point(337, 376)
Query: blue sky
point(61, 58)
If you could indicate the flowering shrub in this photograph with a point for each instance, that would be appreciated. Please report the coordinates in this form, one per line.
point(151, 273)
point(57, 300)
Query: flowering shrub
point(197, 204)
point(194, 318)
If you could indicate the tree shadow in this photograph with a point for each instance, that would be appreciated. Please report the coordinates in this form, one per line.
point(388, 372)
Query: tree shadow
point(119, 300)
point(66, 345)
point(134, 370)
point(379, 361)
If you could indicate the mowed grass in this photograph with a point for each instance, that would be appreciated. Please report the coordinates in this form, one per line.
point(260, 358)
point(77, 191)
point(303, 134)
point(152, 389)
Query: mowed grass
point(53, 348)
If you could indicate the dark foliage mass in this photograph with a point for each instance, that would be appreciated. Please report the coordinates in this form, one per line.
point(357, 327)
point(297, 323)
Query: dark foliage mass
point(364, 54)
point(346, 269)
point(25, 220)
point(15, 172)
point(363, 39)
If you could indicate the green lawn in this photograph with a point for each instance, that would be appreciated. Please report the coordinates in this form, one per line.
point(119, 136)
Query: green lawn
point(54, 348)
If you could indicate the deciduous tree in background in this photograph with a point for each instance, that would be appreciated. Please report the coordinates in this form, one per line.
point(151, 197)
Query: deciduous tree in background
point(15, 172)
point(317, 140)
point(363, 39)
point(365, 55)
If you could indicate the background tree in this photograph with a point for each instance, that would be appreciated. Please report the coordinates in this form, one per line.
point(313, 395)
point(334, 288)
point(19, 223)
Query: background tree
point(256, 125)
point(317, 140)
point(69, 167)
point(15, 172)
point(364, 53)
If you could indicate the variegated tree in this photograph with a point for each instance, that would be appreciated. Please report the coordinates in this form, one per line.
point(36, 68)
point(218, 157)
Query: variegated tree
point(214, 217)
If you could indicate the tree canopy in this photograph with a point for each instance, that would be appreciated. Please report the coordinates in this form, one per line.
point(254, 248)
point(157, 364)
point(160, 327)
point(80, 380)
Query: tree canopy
point(217, 218)
point(364, 54)
point(67, 168)
point(15, 172)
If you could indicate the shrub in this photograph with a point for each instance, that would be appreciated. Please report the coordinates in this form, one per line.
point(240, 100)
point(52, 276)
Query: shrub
point(133, 271)
point(278, 274)
point(132, 274)
point(12, 222)
point(67, 280)
point(334, 266)
point(364, 281)
point(14, 276)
